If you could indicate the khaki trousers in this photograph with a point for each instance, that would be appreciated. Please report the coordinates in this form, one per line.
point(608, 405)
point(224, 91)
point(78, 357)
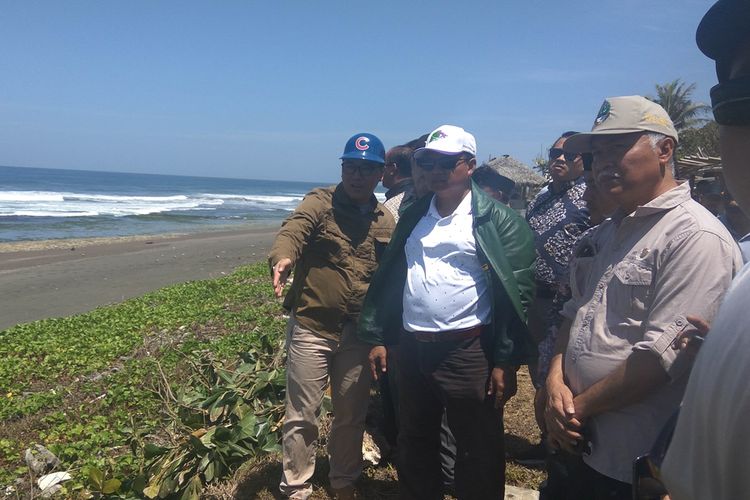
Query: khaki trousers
point(311, 362)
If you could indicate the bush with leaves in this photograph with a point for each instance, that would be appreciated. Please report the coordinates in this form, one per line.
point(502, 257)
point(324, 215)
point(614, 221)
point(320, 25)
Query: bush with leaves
point(222, 416)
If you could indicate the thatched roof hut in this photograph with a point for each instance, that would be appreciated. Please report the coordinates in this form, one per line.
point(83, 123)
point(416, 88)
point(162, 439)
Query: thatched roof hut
point(515, 170)
point(527, 181)
point(697, 165)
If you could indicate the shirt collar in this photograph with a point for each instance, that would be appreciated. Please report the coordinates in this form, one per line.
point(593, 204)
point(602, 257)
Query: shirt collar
point(567, 185)
point(341, 197)
point(463, 208)
point(665, 201)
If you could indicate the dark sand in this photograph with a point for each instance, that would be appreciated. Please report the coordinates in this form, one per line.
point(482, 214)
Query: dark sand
point(59, 278)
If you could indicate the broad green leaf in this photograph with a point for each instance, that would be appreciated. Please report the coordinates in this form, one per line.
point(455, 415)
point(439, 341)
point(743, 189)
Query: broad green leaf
point(151, 450)
point(216, 412)
point(205, 461)
point(193, 490)
point(197, 444)
point(272, 448)
point(151, 491)
point(209, 472)
point(222, 434)
point(167, 487)
point(110, 486)
point(96, 477)
point(139, 483)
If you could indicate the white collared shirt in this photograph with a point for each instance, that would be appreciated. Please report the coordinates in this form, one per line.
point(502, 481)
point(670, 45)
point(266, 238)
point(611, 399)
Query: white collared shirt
point(446, 288)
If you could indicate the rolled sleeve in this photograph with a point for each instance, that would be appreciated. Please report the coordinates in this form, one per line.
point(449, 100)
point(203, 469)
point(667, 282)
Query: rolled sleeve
point(697, 270)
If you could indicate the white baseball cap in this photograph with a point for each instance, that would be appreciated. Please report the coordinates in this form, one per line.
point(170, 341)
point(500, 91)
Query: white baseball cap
point(450, 140)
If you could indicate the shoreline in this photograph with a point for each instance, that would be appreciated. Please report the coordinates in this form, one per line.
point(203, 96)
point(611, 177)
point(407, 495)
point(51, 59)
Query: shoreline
point(56, 278)
point(57, 243)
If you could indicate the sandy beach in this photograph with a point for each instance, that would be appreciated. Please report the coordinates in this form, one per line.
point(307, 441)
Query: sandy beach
point(56, 278)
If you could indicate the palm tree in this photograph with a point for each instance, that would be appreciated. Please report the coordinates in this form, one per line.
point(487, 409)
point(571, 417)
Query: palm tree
point(675, 98)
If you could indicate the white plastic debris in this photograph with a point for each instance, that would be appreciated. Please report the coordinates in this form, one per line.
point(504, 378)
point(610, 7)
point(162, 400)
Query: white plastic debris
point(370, 450)
point(50, 480)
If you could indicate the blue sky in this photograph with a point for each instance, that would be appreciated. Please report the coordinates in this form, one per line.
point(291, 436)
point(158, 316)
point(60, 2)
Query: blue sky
point(272, 90)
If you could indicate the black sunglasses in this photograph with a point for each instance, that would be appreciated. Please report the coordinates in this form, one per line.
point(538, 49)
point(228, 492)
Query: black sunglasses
point(555, 153)
point(445, 162)
point(364, 169)
point(731, 102)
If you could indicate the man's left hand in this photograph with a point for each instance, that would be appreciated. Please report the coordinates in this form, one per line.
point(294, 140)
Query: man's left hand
point(502, 384)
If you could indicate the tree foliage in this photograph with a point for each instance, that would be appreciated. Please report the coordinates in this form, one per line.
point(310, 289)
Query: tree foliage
point(541, 165)
point(702, 141)
point(676, 99)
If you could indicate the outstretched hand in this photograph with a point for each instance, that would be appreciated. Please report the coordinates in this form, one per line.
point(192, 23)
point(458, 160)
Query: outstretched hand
point(280, 274)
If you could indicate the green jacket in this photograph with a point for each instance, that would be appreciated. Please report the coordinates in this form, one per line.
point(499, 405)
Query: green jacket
point(506, 251)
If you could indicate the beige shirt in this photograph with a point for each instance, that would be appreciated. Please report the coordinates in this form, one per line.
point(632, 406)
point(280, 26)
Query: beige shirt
point(633, 280)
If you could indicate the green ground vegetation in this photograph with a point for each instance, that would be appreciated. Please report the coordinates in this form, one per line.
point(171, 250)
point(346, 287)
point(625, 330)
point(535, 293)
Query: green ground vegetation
point(167, 396)
point(115, 392)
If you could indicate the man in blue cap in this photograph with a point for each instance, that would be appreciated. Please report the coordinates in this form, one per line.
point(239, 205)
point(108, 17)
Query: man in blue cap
point(332, 241)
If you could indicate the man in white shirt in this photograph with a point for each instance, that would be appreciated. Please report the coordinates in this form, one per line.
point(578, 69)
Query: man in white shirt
point(456, 281)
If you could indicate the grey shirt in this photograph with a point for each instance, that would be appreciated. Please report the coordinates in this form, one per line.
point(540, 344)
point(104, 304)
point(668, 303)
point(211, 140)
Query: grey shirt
point(633, 280)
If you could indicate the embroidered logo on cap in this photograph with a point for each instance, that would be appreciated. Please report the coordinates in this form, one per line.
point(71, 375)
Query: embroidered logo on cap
point(438, 134)
point(361, 143)
point(603, 113)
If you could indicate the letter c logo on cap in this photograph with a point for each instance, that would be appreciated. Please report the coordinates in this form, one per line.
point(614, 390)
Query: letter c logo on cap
point(361, 143)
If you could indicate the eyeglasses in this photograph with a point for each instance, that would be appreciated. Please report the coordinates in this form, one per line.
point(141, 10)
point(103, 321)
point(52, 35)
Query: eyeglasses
point(365, 169)
point(444, 162)
point(555, 153)
point(731, 102)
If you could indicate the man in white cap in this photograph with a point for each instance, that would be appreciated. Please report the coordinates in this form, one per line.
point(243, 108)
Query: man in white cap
point(709, 453)
point(615, 378)
point(455, 283)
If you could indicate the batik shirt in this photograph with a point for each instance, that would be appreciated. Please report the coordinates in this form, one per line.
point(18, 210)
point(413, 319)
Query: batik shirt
point(558, 220)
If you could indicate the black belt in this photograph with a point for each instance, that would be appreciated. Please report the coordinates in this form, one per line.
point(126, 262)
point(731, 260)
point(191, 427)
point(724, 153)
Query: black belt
point(448, 336)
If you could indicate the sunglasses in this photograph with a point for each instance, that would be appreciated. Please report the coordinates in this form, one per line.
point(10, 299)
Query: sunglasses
point(731, 102)
point(444, 163)
point(364, 169)
point(555, 153)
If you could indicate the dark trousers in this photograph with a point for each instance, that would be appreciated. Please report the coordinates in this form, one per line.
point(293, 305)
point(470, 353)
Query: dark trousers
point(452, 377)
point(569, 478)
point(389, 396)
point(565, 478)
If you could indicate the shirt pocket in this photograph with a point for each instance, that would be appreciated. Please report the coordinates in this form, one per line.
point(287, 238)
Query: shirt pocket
point(629, 292)
point(328, 245)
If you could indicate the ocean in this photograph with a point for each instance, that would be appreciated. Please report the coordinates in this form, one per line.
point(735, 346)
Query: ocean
point(41, 203)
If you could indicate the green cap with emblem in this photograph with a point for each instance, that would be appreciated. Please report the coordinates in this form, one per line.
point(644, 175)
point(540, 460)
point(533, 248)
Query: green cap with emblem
point(624, 115)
